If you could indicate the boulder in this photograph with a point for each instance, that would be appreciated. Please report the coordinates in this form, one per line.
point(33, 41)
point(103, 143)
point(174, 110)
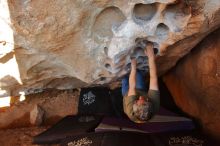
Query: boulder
point(195, 83)
point(69, 44)
point(36, 115)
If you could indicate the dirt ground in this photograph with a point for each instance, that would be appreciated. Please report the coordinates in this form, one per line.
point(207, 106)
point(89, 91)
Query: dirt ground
point(19, 136)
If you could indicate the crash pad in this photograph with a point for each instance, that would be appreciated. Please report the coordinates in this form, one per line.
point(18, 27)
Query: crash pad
point(68, 126)
point(128, 138)
point(95, 100)
point(163, 121)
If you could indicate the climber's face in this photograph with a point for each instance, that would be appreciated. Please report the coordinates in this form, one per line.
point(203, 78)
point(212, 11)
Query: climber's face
point(140, 100)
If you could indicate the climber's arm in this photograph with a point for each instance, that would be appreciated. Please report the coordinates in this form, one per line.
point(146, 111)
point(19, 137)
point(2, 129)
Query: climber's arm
point(132, 78)
point(149, 51)
point(153, 92)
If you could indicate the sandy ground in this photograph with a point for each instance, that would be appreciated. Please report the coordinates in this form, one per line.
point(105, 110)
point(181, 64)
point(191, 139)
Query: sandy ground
point(19, 136)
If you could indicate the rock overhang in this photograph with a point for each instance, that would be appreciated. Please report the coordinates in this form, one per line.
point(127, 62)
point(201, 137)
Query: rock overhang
point(156, 21)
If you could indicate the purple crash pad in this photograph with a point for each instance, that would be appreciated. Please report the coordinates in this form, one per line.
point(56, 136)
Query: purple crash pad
point(128, 138)
point(164, 121)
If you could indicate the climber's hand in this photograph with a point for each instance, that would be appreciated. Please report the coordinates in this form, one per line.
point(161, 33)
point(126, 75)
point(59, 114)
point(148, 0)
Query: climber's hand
point(133, 63)
point(149, 51)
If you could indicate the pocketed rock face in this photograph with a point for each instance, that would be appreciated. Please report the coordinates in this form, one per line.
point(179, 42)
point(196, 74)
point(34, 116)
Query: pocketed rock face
point(68, 44)
point(195, 83)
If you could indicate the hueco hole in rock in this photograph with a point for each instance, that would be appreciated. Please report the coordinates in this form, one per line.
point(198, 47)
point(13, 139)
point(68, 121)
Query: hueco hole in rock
point(63, 64)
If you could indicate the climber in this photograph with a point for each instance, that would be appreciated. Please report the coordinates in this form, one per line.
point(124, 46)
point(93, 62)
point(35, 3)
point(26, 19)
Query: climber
point(139, 105)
